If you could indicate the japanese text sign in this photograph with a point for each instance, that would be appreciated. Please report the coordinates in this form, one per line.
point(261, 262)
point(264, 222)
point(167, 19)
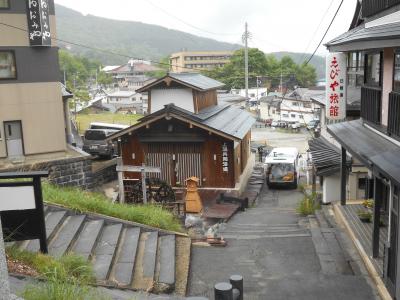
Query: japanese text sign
point(38, 22)
point(225, 158)
point(336, 86)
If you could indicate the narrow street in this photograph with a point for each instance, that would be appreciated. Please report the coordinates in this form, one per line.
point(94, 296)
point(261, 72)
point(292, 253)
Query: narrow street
point(280, 254)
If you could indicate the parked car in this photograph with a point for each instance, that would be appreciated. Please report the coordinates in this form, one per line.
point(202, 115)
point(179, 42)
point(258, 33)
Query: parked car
point(282, 124)
point(94, 142)
point(295, 126)
point(312, 124)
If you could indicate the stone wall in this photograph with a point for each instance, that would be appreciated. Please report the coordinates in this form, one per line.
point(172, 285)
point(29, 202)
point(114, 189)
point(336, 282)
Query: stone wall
point(105, 175)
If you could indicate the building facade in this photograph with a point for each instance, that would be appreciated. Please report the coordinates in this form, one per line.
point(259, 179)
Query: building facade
point(374, 140)
point(195, 61)
point(34, 117)
point(189, 133)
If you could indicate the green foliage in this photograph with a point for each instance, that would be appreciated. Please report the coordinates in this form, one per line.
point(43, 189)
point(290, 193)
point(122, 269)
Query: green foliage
point(85, 201)
point(368, 203)
point(267, 67)
point(308, 205)
point(84, 120)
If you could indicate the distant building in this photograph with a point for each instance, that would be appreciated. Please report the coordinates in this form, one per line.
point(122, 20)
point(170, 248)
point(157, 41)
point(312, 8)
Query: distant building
point(193, 61)
point(255, 94)
point(132, 75)
point(126, 101)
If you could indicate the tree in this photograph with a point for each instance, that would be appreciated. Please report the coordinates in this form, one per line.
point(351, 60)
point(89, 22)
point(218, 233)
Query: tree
point(269, 69)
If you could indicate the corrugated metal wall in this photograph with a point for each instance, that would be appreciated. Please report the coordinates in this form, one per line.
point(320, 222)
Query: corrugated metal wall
point(177, 161)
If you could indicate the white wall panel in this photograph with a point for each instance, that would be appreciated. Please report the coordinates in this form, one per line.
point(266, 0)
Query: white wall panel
point(182, 98)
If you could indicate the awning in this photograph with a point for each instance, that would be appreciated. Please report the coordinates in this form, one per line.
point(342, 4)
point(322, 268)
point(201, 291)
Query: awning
point(325, 156)
point(372, 149)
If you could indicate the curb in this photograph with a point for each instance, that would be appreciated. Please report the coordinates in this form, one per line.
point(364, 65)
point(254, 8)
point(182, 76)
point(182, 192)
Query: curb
point(383, 292)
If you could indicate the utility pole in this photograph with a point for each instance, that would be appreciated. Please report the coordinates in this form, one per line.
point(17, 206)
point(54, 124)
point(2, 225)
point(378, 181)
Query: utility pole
point(246, 59)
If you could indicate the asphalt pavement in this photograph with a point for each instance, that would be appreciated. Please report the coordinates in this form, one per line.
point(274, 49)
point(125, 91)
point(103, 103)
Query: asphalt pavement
point(280, 254)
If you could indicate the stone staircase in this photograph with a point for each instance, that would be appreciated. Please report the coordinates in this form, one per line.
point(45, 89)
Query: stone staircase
point(124, 255)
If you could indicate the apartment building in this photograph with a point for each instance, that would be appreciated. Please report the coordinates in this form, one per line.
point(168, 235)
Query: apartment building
point(198, 60)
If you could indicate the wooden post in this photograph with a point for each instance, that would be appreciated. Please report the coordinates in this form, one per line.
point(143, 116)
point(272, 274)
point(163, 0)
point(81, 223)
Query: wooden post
point(143, 172)
point(377, 216)
point(343, 177)
point(37, 186)
point(121, 181)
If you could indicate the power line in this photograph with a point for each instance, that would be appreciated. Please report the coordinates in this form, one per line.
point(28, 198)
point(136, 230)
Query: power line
point(315, 32)
point(186, 23)
point(104, 51)
point(326, 32)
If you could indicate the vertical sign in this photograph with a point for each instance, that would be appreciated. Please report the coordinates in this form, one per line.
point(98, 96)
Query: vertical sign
point(225, 158)
point(38, 22)
point(336, 86)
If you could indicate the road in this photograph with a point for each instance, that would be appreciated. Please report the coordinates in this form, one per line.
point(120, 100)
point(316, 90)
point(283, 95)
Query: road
point(280, 255)
point(277, 138)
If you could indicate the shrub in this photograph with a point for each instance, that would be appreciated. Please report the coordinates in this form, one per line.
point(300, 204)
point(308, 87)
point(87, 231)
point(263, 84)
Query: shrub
point(308, 205)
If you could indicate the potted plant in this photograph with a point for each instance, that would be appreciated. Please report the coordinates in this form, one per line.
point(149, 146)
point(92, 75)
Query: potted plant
point(365, 216)
point(369, 203)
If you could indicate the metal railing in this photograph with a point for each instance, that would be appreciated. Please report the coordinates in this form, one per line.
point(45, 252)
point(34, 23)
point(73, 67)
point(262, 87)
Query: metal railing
point(371, 104)
point(372, 7)
point(394, 114)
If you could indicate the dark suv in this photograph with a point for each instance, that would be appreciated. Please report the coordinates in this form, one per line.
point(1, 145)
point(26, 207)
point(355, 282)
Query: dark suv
point(95, 144)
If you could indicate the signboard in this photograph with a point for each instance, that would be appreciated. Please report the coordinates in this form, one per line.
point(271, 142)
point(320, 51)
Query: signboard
point(225, 158)
point(336, 86)
point(38, 22)
point(17, 198)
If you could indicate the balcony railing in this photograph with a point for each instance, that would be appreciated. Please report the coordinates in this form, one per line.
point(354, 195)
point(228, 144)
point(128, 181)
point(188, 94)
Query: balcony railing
point(394, 114)
point(371, 100)
point(372, 7)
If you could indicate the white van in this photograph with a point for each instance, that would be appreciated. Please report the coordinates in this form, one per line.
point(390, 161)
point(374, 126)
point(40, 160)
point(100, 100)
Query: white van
point(282, 167)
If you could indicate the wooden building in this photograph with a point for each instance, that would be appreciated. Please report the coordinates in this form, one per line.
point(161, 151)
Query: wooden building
point(188, 133)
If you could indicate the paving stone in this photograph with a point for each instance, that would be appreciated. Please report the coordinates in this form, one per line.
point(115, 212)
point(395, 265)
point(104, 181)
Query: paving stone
point(105, 250)
point(149, 259)
point(66, 235)
point(125, 262)
point(167, 260)
point(86, 241)
point(53, 222)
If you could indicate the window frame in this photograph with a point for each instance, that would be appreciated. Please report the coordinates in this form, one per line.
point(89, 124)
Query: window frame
point(366, 83)
point(15, 77)
point(394, 89)
point(8, 6)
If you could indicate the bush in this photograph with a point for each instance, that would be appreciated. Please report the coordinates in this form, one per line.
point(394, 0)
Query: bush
point(308, 205)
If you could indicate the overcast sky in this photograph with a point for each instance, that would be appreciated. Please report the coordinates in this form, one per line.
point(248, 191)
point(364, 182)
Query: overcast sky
point(275, 25)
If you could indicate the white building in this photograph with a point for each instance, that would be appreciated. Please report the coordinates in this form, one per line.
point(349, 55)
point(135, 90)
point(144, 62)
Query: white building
point(255, 94)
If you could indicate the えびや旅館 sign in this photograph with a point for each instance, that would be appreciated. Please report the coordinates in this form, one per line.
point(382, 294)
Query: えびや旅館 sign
point(336, 86)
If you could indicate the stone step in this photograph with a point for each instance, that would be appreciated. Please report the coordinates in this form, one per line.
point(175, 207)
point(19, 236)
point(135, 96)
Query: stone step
point(66, 235)
point(124, 263)
point(143, 277)
point(182, 263)
point(53, 220)
point(87, 239)
point(165, 274)
point(105, 250)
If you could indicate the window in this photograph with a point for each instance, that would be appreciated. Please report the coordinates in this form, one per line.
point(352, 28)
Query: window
point(7, 65)
point(355, 70)
point(285, 115)
point(295, 104)
point(4, 4)
point(373, 69)
point(361, 183)
point(293, 116)
point(396, 73)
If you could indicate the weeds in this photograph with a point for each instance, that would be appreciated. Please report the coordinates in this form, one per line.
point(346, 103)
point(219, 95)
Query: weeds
point(308, 205)
point(84, 201)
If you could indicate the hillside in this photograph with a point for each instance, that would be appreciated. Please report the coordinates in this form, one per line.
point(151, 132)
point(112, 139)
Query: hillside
point(318, 61)
point(134, 39)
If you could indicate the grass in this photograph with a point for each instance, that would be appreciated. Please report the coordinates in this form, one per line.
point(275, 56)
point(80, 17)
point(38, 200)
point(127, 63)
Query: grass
point(308, 205)
point(84, 120)
point(67, 277)
point(84, 201)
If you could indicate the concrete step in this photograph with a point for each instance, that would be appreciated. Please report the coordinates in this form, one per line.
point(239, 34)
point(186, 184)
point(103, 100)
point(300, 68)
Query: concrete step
point(165, 269)
point(124, 263)
point(53, 219)
point(143, 277)
point(87, 239)
point(66, 235)
point(182, 263)
point(105, 250)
